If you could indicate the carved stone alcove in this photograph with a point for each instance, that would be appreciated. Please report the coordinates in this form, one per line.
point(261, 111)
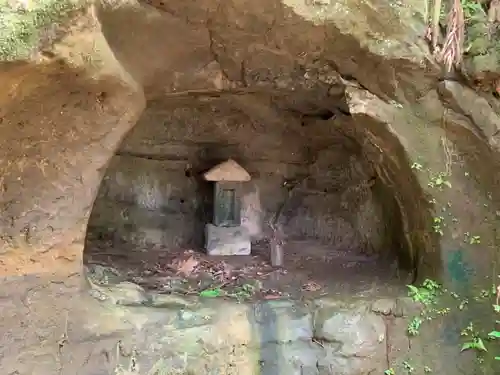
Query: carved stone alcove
point(225, 235)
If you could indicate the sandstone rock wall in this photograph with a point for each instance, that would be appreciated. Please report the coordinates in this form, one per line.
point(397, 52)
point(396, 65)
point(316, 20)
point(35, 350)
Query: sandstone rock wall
point(153, 192)
point(66, 132)
point(70, 333)
point(69, 104)
point(243, 49)
point(61, 120)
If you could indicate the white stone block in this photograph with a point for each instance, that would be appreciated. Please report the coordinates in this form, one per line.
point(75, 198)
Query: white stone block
point(227, 240)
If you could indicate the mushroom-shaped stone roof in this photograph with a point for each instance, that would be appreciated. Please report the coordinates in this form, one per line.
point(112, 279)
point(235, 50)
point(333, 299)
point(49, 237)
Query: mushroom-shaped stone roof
point(229, 171)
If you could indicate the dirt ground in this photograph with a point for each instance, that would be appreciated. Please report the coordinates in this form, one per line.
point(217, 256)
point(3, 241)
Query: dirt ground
point(311, 270)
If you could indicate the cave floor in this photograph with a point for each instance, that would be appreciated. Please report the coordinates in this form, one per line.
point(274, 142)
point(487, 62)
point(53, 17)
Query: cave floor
point(311, 271)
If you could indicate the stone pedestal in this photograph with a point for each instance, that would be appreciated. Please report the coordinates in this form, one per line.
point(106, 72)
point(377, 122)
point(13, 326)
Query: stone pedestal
point(227, 240)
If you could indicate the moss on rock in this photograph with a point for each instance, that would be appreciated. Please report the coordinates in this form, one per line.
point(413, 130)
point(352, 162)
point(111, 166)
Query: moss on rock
point(22, 26)
point(482, 46)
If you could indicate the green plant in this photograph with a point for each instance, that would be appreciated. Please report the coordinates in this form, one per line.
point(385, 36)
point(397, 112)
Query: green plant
point(417, 166)
point(414, 326)
point(471, 9)
point(240, 293)
point(430, 292)
point(427, 293)
point(439, 181)
point(243, 292)
point(20, 27)
point(463, 304)
point(438, 224)
point(472, 240)
point(211, 293)
point(474, 341)
point(495, 334)
point(389, 371)
point(408, 367)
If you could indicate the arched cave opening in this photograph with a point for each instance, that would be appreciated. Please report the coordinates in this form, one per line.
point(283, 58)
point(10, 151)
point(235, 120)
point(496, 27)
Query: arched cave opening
point(312, 179)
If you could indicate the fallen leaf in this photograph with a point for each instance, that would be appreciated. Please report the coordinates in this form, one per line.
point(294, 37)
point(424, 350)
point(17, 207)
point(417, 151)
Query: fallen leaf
point(311, 287)
point(186, 267)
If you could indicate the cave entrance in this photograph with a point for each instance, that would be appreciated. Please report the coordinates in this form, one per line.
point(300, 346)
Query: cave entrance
point(313, 189)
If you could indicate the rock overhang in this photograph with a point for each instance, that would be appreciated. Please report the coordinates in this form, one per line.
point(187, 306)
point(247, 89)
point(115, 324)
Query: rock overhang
point(294, 58)
point(230, 54)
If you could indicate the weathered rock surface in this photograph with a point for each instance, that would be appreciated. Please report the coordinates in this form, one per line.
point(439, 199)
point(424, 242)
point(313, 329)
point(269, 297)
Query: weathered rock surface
point(298, 55)
point(74, 91)
point(358, 335)
point(86, 336)
point(61, 120)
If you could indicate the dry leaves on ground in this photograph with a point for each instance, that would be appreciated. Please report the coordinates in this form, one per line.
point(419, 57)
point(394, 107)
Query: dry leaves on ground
point(188, 266)
point(311, 286)
point(219, 270)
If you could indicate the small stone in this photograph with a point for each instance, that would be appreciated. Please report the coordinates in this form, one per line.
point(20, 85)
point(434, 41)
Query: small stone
point(98, 295)
point(359, 333)
point(405, 306)
point(354, 342)
point(127, 293)
point(384, 306)
point(103, 275)
point(172, 301)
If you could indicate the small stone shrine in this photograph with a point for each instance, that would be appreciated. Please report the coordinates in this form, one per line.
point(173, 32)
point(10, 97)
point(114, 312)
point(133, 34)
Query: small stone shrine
point(225, 235)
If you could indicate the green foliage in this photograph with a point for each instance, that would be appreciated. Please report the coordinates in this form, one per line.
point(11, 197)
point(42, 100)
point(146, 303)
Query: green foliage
point(474, 341)
point(495, 335)
point(472, 240)
point(482, 38)
point(20, 28)
point(240, 293)
point(427, 294)
point(481, 47)
point(211, 293)
point(478, 41)
point(439, 181)
point(414, 326)
point(243, 292)
point(408, 367)
point(472, 9)
point(438, 224)
point(417, 166)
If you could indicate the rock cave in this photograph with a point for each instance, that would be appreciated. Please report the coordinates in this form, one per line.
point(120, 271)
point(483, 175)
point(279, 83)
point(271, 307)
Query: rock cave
point(311, 172)
point(371, 168)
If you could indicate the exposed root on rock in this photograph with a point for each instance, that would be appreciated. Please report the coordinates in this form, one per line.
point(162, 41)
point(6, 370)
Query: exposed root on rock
point(452, 50)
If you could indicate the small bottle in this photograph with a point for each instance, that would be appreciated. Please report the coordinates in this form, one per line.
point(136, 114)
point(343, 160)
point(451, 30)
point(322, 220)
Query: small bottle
point(277, 253)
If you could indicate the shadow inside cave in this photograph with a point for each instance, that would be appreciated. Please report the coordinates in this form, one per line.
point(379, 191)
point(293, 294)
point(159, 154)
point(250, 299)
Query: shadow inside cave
point(343, 227)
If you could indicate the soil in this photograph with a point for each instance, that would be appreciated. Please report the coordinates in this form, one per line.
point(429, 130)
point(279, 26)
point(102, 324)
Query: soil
point(311, 270)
